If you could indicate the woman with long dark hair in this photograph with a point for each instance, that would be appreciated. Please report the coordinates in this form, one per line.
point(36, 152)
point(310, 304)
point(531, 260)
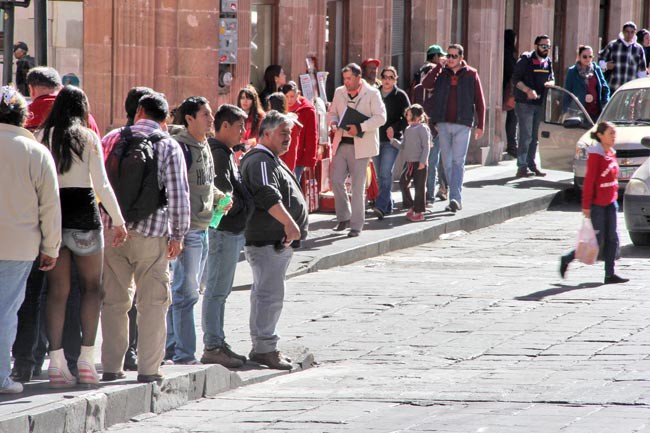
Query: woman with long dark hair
point(79, 162)
point(274, 78)
point(599, 199)
point(249, 101)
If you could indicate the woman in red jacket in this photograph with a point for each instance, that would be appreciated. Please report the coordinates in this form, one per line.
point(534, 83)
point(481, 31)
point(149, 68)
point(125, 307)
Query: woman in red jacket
point(248, 101)
point(599, 197)
point(306, 147)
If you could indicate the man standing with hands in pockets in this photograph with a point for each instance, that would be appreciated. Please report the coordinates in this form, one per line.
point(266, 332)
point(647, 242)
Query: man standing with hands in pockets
point(278, 223)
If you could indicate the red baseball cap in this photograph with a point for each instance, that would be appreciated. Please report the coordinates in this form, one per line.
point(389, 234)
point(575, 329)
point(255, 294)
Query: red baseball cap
point(368, 61)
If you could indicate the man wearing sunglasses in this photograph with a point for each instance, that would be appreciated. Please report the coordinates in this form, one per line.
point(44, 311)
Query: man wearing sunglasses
point(623, 58)
point(533, 73)
point(457, 106)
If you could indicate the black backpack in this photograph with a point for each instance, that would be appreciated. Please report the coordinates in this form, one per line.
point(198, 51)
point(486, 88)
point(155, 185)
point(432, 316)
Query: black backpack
point(132, 169)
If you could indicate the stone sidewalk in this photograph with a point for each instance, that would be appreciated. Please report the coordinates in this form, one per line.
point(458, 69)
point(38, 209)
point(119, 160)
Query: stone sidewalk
point(472, 333)
point(491, 195)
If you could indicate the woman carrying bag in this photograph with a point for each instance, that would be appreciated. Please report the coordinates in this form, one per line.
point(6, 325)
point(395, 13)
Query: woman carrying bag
point(599, 199)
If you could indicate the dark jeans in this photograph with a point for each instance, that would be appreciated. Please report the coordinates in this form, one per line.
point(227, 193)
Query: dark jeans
point(28, 321)
point(132, 351)
point(419, 177)
point(603, 218)
point(511, 132)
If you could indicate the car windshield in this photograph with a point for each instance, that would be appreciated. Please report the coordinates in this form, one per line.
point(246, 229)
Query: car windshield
point(628, 107)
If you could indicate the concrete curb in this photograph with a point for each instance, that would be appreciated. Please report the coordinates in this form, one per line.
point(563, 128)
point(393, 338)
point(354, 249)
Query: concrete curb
point(426, 234)
point(98, 410)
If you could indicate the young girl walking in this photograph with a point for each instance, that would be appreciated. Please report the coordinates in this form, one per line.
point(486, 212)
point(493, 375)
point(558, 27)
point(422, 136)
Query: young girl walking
point(415, 146)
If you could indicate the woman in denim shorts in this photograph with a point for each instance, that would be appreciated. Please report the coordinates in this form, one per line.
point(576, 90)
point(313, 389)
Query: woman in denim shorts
point(79, 161)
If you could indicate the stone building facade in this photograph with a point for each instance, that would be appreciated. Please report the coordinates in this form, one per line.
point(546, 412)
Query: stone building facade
point(172, 45)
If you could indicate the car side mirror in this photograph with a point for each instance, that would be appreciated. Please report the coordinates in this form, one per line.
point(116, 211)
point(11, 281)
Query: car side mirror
point(573, 122)
point(645, 141)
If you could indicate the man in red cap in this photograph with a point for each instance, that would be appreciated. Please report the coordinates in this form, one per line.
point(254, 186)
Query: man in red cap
point(369, 71)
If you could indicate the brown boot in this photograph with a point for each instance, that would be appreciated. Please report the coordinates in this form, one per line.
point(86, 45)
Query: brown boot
point(217, 356)
point(273, 360)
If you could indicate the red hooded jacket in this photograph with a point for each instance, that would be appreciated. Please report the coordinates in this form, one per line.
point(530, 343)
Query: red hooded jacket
point(304, 141)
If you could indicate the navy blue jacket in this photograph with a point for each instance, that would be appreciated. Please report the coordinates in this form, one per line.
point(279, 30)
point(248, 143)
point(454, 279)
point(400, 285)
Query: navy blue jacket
point(534, 73)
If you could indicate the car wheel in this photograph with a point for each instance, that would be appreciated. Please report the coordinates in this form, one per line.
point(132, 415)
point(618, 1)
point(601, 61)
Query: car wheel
point(640, 239)
point(577, 192)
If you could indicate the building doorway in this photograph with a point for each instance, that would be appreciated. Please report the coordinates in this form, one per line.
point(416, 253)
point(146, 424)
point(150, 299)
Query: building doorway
point(400, 41)
point(335, 43)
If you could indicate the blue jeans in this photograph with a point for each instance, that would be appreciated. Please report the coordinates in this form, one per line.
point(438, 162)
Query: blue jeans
point(529, 116)
point(384, 163)
point(434, 158)
point(187, 268)
point(13, 278)
point(454, 141)
point(603, 218)
point(225, 248)
point(298, 172)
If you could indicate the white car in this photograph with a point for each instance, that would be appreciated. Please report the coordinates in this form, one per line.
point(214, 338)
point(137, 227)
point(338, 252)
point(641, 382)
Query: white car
point(564, 135)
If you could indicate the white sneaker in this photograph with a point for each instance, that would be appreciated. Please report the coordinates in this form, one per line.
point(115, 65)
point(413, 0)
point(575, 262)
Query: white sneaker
point(11, 387)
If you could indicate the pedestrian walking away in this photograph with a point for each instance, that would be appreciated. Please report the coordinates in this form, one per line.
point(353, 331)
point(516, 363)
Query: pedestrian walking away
point(415, 146)
point(599, 200)
point(533, 74)
point(157, 225)
point(24, 62)
point(187, 268)
point(353, 146)
point(227, 239)
point(509, 62)
point(458, 105)
point(277, 225)
point(30, 218)
point(396, 102)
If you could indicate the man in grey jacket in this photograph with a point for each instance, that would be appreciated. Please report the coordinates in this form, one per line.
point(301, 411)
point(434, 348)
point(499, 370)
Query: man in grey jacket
point(278, 222)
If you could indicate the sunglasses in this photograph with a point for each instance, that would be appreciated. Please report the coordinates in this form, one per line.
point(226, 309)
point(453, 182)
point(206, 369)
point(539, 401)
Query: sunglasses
point(387, 77)
point(587, 57)
point(453, 56)
point(545, 46)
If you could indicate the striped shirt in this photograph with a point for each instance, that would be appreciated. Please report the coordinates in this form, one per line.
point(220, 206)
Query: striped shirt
point(172, 220)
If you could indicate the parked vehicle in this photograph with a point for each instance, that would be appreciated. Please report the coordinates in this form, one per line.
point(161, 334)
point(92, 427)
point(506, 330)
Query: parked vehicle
point(565, 131)
point(636, 203)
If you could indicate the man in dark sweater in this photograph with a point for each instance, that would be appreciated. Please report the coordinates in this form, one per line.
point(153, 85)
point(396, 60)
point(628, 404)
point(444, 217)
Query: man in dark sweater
point(533, 73)
point(227, 239)
point(279, 221)
point(457, 103)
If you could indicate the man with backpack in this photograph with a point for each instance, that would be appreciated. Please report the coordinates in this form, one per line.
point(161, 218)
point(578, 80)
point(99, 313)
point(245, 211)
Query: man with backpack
point(196, 116)
point(147, 170)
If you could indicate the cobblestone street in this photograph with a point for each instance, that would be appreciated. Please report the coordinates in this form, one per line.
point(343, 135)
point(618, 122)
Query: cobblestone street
point(472, 333)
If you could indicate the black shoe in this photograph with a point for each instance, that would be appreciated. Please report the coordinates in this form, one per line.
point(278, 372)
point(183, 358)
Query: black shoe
point(512, 152)
point(110, 377)
point(615, 279)
point(228, 351)
point(537, 173)
point(353, 233)
point(378, 213)
point(130, 364)
point(564, 264)
point(342, 225)
point(22, 375)
point(148, 378)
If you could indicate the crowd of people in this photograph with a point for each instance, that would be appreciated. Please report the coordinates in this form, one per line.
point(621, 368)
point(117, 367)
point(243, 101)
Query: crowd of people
point(130, 226)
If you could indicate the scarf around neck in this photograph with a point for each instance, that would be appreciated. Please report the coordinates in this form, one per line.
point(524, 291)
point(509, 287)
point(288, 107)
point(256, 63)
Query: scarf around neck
point(585, 73)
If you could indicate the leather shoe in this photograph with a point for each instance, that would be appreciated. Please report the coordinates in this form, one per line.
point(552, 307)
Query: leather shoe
point(130, 364)
point(110, 377)
point(615, 279)
point(564, 265)
point(148, 378)
point(353, 233)
point(523, 173)
point(378, 213)
point(342, 225)
point(274, 360)
point(537, 173)
point(22, 375)
point(228, 351)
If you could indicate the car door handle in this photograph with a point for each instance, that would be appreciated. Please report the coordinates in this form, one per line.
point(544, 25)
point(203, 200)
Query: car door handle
point(546, 134)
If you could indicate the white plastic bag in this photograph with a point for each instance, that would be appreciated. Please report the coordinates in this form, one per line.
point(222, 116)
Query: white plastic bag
point(587, 245)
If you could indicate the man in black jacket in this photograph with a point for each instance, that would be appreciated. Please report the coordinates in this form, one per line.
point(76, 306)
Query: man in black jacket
point(226, 240)
point(278, 222)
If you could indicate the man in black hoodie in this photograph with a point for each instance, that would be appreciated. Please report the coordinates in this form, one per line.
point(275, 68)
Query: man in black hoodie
point(279, 219)
point(227, 239)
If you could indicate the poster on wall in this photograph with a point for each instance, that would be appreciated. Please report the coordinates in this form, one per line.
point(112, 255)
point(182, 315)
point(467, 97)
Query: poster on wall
point(228, 40)
point(307, 87)
point(229, 6)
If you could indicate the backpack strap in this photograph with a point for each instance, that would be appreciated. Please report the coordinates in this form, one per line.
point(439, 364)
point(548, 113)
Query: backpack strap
point(187, 153)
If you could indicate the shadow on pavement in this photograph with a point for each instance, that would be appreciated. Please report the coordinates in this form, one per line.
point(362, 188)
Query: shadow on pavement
point(521, 184)
point(633, 252)
point(560, 288)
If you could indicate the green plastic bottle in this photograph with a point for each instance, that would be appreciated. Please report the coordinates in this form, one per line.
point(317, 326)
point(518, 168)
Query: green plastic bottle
point(219, 211)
